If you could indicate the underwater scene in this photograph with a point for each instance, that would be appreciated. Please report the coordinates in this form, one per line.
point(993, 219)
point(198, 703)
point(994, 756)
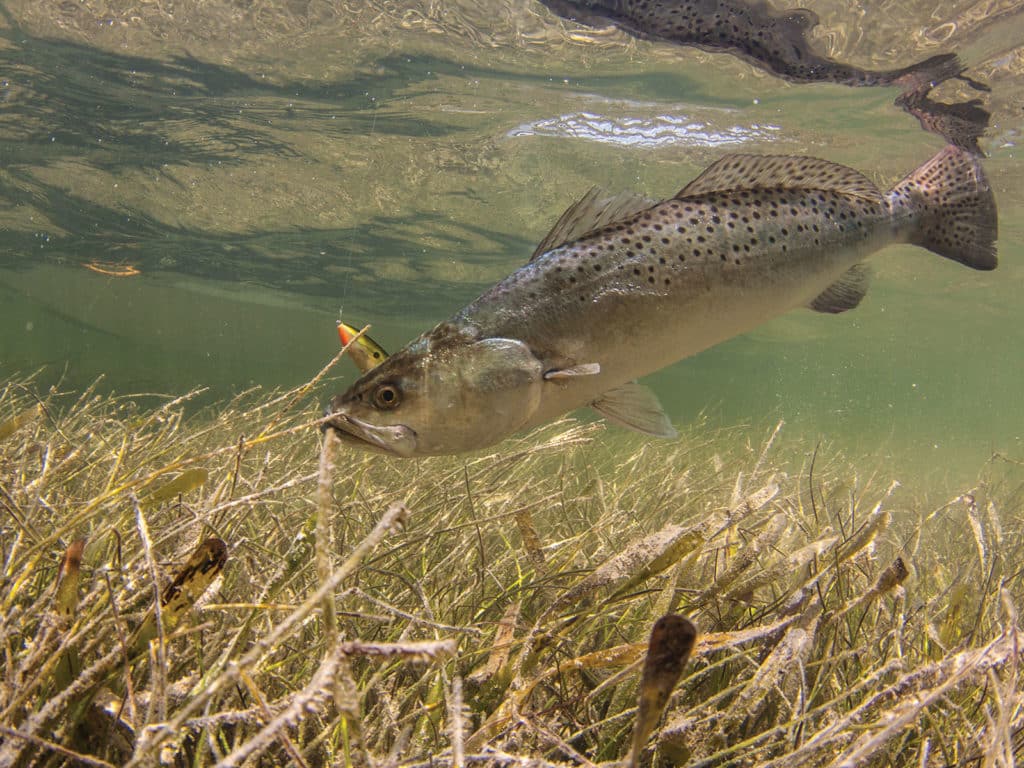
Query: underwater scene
point(679, 417)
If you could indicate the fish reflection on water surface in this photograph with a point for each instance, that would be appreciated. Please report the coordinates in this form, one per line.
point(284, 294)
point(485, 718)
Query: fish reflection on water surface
point(749, 239)
point(776, 41)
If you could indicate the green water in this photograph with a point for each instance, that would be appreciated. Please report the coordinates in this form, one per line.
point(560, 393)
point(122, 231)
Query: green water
point(265, 166)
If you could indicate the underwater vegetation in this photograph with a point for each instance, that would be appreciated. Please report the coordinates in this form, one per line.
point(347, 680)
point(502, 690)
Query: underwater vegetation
point(194, 591)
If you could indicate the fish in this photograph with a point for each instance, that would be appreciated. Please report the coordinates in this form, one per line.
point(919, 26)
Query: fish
point(752, 237)
point(366, 353)
point(773, 40)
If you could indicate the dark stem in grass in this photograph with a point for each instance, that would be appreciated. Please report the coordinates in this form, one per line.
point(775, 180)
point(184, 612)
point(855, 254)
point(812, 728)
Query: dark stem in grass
point(238, 466)
point(981, 603)
point(810, 483)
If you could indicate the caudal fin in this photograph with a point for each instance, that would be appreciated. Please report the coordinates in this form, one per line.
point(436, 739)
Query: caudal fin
point(950, 208)
point(928, 73)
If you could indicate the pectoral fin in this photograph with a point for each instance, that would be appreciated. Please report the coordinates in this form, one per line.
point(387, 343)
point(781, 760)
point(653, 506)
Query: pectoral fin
point(845, 293)
point(636, 407)
point(586, 369)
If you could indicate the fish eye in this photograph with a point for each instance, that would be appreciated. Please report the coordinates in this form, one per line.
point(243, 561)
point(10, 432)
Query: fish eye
point(386, 396)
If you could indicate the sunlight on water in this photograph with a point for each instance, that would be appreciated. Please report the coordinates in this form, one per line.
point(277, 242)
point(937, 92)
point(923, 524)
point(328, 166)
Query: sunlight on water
point(658, 131)
point(190, 200)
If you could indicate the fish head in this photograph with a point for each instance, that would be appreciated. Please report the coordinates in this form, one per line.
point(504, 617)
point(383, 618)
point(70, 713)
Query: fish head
point(448, 392)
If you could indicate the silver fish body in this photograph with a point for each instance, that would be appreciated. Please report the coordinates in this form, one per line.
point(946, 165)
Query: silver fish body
point(751, 238)
point(682, 276)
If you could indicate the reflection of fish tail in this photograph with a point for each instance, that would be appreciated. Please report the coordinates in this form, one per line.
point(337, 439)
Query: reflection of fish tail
point(960, 123)
point(951, 207)
point(927, 73)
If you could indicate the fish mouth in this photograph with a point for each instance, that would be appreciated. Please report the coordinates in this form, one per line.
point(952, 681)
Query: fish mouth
point(395, 440)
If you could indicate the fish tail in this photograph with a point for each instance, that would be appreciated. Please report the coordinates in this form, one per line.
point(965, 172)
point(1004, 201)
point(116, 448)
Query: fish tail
point(928, 73)
point(951, 207)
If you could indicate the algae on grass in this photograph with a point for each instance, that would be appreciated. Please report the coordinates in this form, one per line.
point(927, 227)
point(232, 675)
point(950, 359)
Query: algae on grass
point(505, 619)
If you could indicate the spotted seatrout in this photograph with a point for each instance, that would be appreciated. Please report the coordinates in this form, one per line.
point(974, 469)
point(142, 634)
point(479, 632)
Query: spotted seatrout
point(749, 239)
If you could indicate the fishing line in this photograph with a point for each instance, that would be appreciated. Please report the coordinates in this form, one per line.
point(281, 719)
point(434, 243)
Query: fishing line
point(348, 262)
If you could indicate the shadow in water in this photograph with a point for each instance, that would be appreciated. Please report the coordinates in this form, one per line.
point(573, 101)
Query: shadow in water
point(64, 99)
point(303, 260)
point(65, 102)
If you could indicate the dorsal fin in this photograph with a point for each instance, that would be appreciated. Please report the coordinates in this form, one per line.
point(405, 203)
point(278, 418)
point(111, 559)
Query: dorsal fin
point(596, 209)
point(736, 172)
point(798, 20)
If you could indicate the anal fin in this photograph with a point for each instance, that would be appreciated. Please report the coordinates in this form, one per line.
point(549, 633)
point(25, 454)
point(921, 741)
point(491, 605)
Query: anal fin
point(635, 407)
point(845, 293)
